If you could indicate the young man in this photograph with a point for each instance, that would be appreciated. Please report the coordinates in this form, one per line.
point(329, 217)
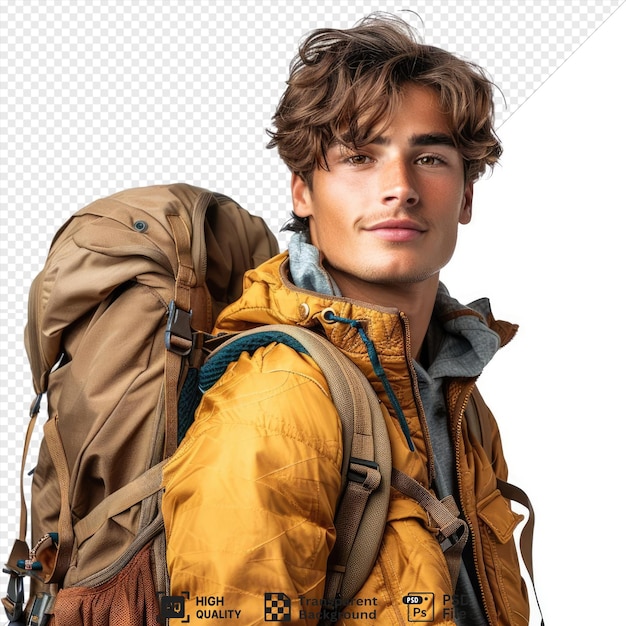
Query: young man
point(384, 138)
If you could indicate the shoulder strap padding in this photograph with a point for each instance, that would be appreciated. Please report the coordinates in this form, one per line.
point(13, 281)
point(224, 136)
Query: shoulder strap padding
point(366, 466)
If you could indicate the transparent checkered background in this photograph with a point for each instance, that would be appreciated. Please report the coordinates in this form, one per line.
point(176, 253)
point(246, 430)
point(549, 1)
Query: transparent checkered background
point(100, 96)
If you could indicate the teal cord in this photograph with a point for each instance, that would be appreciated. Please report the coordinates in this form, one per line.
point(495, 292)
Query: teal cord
point(380, 372)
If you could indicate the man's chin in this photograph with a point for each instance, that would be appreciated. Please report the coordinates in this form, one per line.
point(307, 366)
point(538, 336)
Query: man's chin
point(352, 284)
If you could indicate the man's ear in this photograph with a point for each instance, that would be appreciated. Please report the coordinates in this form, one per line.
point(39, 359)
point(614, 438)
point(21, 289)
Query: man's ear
point(300, 196)
point(466, 210)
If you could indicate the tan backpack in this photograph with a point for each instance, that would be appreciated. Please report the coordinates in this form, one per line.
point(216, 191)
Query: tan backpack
point(109, 340)
point(117, 331)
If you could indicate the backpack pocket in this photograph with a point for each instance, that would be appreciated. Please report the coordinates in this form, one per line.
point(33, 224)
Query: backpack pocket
point(129, 598)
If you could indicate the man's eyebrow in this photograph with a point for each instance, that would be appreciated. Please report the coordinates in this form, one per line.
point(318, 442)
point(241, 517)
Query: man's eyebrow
point(432, 139)
point(425, 139)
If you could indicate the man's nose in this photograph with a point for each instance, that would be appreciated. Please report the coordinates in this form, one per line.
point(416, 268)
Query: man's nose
point(398, 184)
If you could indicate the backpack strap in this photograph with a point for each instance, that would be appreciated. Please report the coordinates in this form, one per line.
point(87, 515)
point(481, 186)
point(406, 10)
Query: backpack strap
point(13, 602)
point(65, 532)
point(453, 531)
point(361, 515)
point(54, 549)
point(178, 333)
point(479, 426)
point(145, 485)
point(33, 413)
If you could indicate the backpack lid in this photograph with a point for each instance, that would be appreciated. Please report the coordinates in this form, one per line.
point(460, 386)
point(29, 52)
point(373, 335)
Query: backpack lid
point(127, 237)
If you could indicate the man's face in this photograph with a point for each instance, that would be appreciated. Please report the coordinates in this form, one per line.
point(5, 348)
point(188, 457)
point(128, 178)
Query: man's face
point(387, 214)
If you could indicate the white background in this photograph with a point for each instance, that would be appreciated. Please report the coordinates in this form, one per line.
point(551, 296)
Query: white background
point(547, 244)
point(101, 96)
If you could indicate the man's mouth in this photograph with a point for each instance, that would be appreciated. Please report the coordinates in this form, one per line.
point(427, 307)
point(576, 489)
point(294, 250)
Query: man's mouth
point(398, 230)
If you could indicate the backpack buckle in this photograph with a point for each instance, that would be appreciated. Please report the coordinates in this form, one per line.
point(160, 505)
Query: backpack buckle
point(364, 472)
point(178, 335)
point(447, 542)
point(14, 600)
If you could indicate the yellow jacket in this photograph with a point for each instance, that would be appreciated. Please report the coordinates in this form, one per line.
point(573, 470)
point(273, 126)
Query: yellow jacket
point(251, 492)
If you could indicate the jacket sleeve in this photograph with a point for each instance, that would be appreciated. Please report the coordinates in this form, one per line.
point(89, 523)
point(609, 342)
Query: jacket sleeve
point(250, 494)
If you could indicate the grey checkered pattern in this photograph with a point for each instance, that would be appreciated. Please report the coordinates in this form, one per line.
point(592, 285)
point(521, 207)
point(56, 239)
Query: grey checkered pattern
point(100, 96)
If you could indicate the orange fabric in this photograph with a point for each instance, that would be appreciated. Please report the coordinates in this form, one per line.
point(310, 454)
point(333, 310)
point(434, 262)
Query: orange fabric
point(129, 598)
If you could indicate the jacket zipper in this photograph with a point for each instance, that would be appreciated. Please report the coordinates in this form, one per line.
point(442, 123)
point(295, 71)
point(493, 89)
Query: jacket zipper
point(457, 455)
point(421, 414)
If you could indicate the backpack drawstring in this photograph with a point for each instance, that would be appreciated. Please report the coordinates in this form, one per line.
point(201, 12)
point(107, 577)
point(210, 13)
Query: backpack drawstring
point(378, 370)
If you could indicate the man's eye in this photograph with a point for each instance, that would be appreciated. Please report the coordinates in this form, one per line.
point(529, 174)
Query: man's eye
point(357, 159)
point(429, 159)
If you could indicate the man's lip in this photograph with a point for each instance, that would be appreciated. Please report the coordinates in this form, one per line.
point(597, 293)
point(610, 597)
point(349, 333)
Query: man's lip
point(397, 230)
point(397, 225)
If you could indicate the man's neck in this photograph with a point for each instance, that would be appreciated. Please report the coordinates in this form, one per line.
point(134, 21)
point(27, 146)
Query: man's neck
point(414, 300)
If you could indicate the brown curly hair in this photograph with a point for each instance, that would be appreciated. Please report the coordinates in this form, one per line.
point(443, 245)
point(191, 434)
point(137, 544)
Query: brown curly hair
point(343, 84)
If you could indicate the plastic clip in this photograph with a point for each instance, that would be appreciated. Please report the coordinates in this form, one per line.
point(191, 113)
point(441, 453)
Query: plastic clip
point(366, 473)
point(447, 542)
point(40, 613)
point(178, 335)
point(14, 600)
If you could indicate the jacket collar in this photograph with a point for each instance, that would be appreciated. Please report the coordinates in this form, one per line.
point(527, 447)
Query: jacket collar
point(460, 340)
point(271, 297)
